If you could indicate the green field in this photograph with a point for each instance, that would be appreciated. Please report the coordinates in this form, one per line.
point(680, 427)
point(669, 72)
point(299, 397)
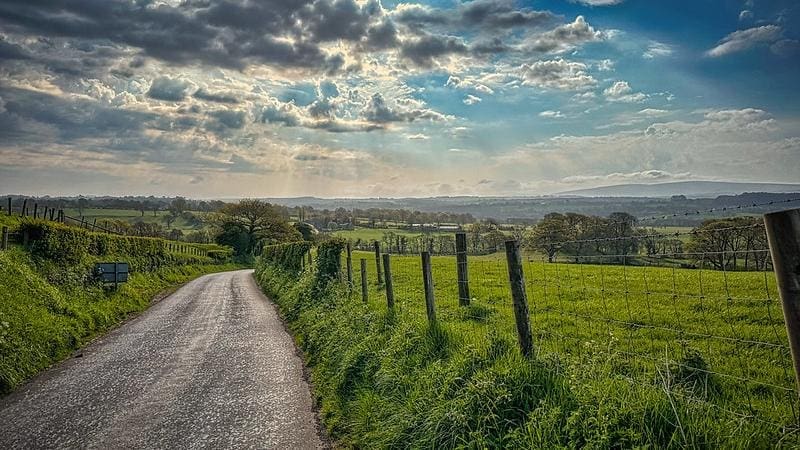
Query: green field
point(714, 338)
point(376, 234)
point(132, 216)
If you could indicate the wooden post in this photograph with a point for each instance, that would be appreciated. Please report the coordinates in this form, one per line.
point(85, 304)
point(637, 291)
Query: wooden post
point(4, 241)
point(24, 211)
point(349, 265)
point(364, 288)
point(783, 234)
point(52, 211)
point(35, 210)
point(462, 269)
point(377, 246)
point(9, 206)
point(427, 282)
point(520, 298)
point(387, 268)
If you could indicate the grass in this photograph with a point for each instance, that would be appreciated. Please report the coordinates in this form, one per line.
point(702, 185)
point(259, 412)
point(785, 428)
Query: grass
point(49, 309)
point(42, 323)
point(709, 371)
point(132, 216)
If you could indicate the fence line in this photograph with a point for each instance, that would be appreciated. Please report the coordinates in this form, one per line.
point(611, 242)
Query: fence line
point(706, 328)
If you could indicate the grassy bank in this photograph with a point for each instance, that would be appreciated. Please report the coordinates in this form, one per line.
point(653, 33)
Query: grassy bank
point(388, 380)
point(50, 304)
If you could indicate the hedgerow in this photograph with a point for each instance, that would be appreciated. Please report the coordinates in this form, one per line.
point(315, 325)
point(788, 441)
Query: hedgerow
point(288, 256)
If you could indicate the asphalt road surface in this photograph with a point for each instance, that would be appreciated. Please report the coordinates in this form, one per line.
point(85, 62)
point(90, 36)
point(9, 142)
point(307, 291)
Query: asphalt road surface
point(210, 366)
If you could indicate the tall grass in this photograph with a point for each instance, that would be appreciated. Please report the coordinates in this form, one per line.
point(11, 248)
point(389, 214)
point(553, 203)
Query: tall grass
point(388, 379)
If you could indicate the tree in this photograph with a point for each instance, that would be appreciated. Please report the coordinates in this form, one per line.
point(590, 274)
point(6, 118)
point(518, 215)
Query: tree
point(178, 206)
point(250, 224)
point(169, 218)
point(83, 203)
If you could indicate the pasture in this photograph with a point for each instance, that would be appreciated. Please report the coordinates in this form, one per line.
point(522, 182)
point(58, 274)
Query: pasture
point(713, 338)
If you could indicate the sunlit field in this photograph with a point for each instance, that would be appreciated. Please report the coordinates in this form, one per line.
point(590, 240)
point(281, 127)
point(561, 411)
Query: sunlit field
point(710, 336)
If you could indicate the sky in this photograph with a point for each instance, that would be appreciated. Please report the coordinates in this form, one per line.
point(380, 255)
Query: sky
point(371, 98)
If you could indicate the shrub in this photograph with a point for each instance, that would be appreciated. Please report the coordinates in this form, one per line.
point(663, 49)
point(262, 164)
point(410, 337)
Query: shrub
point(329, 259)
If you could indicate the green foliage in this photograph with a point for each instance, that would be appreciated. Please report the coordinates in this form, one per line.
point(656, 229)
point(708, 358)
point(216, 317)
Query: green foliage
point(42, 323)
point(329, 259)
point(67, 254)
point(288, 256)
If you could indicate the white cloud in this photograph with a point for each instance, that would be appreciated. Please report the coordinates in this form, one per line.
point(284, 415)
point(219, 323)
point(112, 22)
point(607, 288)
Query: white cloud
point(656, 50)
point(552, 114)
point(630, 177)
point(746, 39)
point(600, 2)
point(471, 99)
point(621, 91)
point(417, 137)
point(605, 65)
point(557, 74)
point(746, 14)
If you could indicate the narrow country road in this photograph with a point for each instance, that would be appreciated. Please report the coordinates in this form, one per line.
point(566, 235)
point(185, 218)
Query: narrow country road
point(209, 366)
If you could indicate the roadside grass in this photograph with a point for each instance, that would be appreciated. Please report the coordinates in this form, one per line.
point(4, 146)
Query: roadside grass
point(42, 323)
point(389, 379)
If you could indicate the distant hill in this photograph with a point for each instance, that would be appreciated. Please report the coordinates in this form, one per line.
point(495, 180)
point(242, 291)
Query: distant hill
point(692, 189)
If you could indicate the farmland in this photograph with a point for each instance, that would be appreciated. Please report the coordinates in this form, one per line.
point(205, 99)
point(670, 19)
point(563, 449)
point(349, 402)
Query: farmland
point(647, 355)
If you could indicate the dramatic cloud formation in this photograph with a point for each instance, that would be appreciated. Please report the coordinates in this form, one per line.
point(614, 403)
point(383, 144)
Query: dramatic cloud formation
point(339, 97)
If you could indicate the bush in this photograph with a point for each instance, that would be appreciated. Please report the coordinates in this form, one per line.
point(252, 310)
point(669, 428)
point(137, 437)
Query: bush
point(329, 259)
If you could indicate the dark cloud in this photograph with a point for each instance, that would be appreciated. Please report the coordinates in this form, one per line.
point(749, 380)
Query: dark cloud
point(218, 97)
point(169, 89)
point(230, 118)
point(423, 50)
point(478, 15)
point(378, 111)
point(12, 51)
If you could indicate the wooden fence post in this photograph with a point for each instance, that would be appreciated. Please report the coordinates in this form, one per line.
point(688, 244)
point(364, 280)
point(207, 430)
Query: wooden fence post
point(4, 241)
point(377, 247)
point(516, 278)
point(23, 212)
point(364, 288)
point(462, 268)
point(9, 206)
point(35, 210)
point(783, 235)
point(349, 266)
point(427, 282)
point(387, 268)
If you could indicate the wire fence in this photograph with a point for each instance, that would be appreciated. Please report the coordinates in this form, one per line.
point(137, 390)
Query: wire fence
point(701, 326)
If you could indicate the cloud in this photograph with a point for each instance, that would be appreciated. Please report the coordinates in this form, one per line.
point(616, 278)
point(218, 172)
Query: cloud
point(649, 175)
point(469, 83)
point(483, 15)
point(423, 50)
point(745, 144)
point(605, 65)
point(599, 2)
point(563, 38)
point(746, 39)
point(378, 111)
point(472, 100)
point(170, 89)
point(218, 97)
point(621, 91)
point(552, 114)
point(746, 14)
point(557, 74)
point(417, 137)
point(657, 50)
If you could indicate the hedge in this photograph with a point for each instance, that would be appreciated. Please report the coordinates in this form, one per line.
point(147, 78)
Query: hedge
point(72, 247)
point(288, 256)
point(329, 259)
